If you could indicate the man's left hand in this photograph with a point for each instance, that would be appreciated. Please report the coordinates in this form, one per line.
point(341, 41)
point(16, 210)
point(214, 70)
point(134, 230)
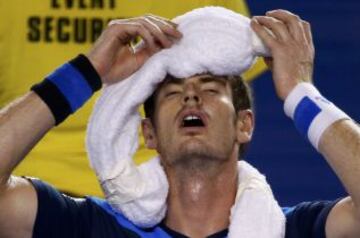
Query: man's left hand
point(291, 47)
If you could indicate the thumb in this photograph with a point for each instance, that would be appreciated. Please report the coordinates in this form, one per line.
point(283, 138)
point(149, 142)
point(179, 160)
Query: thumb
point(142, 55)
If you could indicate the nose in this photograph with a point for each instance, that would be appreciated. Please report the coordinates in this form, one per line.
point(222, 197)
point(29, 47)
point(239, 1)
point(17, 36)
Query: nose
point(191, 95)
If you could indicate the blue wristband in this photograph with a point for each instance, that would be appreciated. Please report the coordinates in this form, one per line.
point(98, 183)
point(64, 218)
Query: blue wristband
point(68, 87)
point(305, 113)
point(311, 112)
point(72, 85)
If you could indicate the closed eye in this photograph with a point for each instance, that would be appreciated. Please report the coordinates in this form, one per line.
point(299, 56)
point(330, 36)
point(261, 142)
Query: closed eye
point(171, 93)
point(212, 91)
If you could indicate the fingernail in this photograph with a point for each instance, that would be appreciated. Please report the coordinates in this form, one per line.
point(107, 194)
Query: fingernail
point(173, 24)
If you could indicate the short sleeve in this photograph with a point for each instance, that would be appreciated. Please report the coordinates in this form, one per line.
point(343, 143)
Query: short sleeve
point(308, 219)
point(59, 215)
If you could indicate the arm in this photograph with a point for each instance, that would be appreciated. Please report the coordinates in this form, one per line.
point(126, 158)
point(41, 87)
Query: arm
point(22, 124)
point(25, 121)
point(340, 145)
point(292, 62)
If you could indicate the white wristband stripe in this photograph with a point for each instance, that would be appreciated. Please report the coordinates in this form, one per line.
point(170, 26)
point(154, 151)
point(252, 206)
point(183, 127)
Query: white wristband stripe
point(311, 112)
point(296, 95)
point(321, 122)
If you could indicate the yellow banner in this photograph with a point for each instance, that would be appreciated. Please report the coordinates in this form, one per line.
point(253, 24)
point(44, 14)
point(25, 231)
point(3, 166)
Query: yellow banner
point(39, 35)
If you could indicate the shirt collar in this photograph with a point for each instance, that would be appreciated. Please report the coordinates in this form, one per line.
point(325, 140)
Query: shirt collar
point(175, 234)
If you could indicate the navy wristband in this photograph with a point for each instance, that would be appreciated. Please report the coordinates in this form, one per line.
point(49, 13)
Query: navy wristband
point(68, 87)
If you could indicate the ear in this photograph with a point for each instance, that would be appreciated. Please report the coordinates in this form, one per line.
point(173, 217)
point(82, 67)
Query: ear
point(245, 123)
point(149, 133)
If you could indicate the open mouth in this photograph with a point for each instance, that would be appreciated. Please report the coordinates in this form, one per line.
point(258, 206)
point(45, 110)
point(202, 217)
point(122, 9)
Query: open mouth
point(192, 121)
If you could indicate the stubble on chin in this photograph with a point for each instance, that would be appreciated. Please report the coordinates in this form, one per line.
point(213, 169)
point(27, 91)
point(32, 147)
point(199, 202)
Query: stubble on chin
point(195, 157)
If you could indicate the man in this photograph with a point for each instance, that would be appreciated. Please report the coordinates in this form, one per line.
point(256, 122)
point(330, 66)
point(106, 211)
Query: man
point(199, 162)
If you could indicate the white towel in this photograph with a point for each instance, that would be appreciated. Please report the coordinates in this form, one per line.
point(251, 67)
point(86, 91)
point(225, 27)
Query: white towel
point(216, 41)
point(255, 213)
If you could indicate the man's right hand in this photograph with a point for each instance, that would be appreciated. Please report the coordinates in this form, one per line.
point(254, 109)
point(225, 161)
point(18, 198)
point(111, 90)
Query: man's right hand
point(113, 57)
point(25, 121)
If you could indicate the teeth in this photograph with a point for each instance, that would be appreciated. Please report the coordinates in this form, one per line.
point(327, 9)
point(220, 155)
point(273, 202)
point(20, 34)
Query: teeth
point(191, 117)
point(192, 121)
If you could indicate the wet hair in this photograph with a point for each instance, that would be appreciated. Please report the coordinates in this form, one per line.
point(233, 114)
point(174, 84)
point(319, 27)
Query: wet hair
point(241, 97)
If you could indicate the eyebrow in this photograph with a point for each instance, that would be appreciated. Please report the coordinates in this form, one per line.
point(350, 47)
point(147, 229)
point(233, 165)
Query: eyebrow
point(210, 78)
point(173, 80)
point(204, 79)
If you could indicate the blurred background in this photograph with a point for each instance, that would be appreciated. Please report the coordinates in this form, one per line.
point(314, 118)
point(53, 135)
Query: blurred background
point(39, 35)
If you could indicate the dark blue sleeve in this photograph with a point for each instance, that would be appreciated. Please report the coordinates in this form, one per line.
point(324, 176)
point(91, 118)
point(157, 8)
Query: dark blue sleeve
point(308, 219)
point(62, 216)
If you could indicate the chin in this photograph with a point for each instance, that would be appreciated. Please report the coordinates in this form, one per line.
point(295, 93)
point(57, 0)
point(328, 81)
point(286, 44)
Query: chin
point(193, 145)
point(193, 150)
point(197, 150)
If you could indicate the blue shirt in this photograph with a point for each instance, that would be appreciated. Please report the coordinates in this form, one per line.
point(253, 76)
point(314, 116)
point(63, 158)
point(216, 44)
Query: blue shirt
point(63, 216)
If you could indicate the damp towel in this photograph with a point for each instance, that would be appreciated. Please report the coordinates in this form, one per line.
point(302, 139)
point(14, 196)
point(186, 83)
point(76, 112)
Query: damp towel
point(216, 41)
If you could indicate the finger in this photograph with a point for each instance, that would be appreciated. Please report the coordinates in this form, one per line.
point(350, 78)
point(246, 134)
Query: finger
point(133, 40)
point(139, 46)
point(162, 19)
point(118, 21)
point(263, 33)
point(166, 26)
point(136, 29)
point(141, 56)
point(156, 32)
point(292, 21)
point(307, 32)
point(277, 27)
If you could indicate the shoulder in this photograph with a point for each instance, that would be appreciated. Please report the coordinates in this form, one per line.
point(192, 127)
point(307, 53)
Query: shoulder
point(60, 215)
point(156, 231)
point(343, 220)
point(308, 219)
point(18, 208)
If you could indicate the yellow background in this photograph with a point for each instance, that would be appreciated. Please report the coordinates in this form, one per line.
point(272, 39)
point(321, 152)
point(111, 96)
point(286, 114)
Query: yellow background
point(60, 158)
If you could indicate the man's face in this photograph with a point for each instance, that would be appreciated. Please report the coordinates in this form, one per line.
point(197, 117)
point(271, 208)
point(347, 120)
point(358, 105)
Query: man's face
point(195, 117)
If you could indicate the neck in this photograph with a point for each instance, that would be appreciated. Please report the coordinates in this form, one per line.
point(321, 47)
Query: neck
point(201, 197)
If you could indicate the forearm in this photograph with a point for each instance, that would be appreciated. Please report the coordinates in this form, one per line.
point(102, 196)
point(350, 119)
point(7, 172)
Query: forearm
point(330, 131)
point(22, 124)
point(340, 145)
point(25, 121)
point(327, 128)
